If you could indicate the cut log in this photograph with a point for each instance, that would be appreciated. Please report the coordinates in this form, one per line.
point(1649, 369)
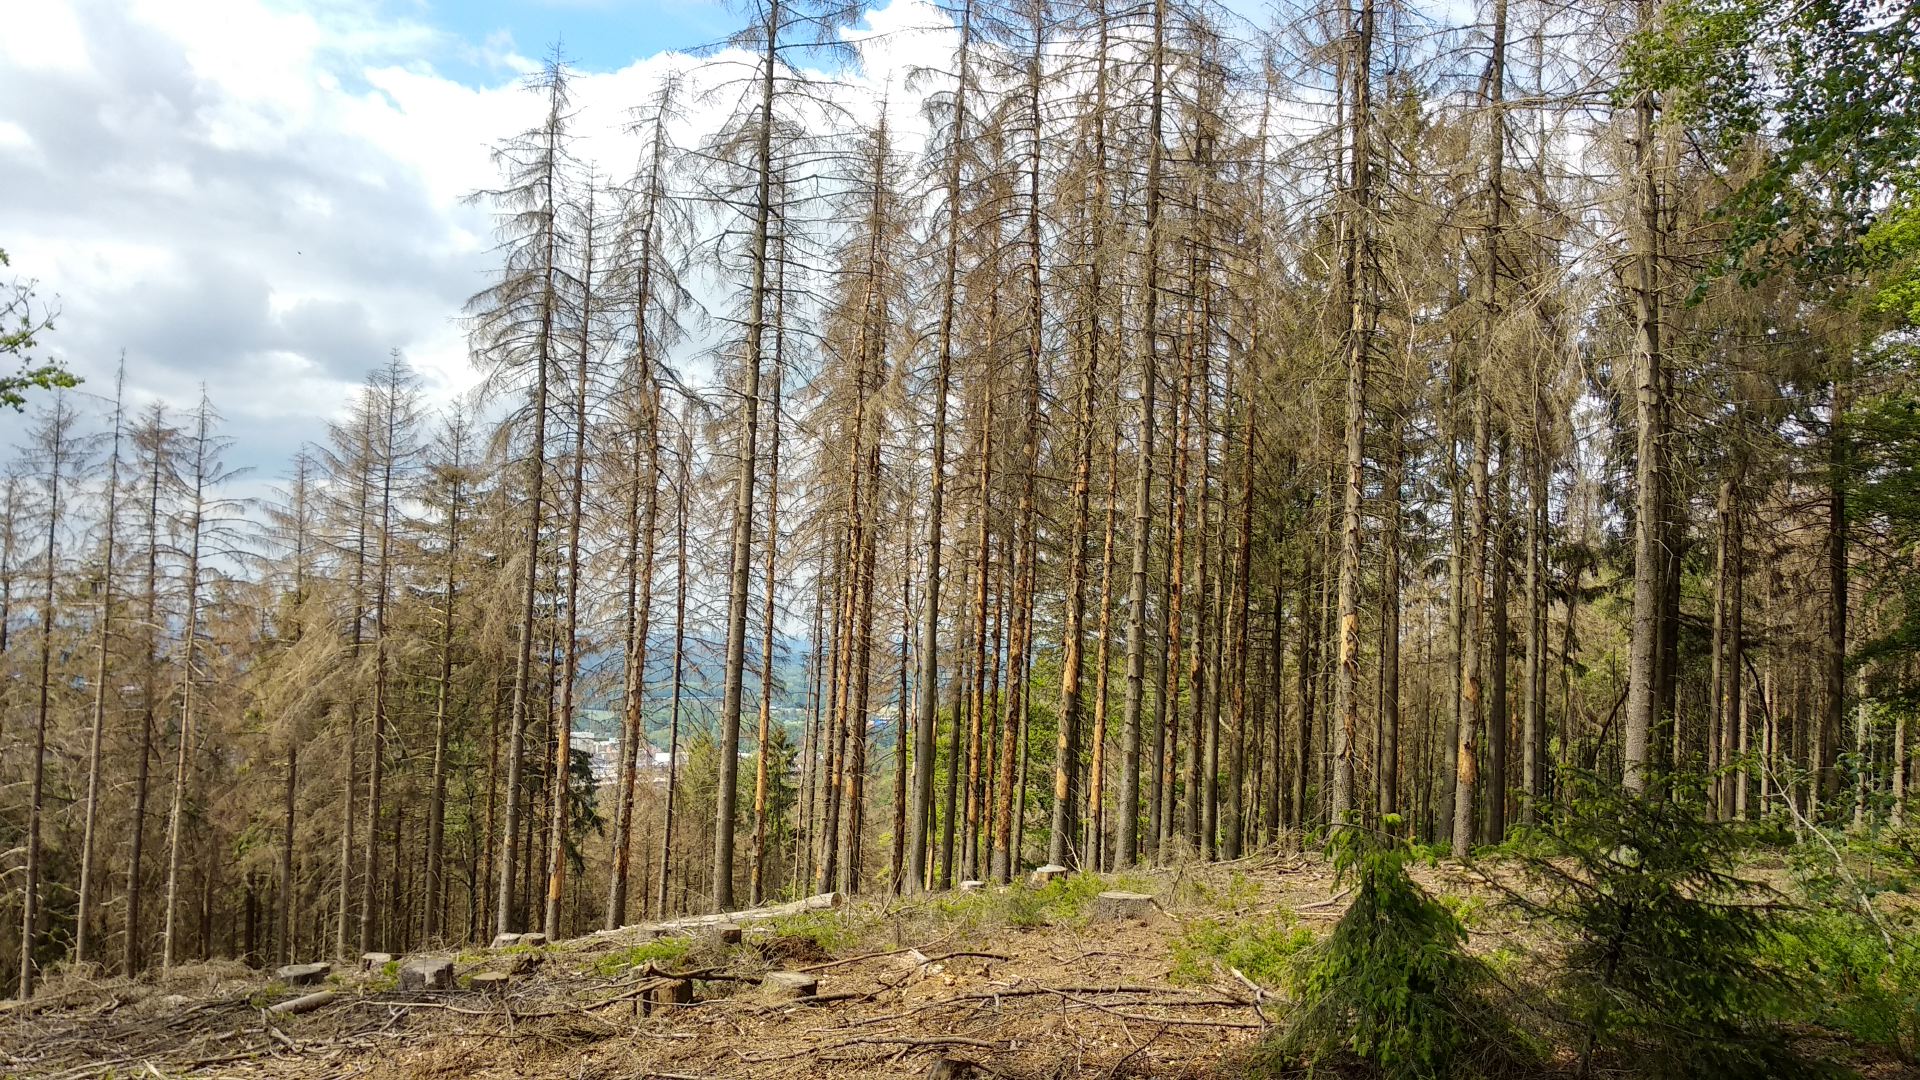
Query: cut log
point(1128, 906)
point(697, 922)
point(304, 974)
point(493, 982)
point(427, 973)
point(789, 986)
point(1049, 873)
point(305, 1003)
point(374, 961)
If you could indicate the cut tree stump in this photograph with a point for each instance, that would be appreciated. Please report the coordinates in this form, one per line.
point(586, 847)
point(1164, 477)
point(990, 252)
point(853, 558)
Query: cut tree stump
point(1135, 907)
point(306, 1003)
point(670, 992)
point(789, 985)
point(506, 941)
point(727, 933)
point(304, 974)
point(493, 982)
point(427, 973)
point(373, 961)
point(536, 939)
point(1048, 873)
point(972, 886)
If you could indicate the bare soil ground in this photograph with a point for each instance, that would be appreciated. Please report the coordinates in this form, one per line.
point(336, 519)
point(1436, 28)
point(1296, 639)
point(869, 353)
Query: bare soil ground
point(996, 984)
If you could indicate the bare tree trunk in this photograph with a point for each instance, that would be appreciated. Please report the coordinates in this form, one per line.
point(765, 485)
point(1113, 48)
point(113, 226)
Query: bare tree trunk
point(921, 811)
point(391, 388)
point(897, 858)
point(1649, 501)
point(1128, 821)
point(1825, 765)
point(1387, 781)
point(1474, 560)
point(1303, 720)
point(741, 553)
point(982, 703)
point(454, 476)
point(562, 719)
point(183, 767)
point(55, 443)
point(1072, 639)
point(506, 907)
point(1533, 780)
point(284, 935)
point(1238, 622)
point(756, 888)
point(1359, 344)
point(150, 663)
point(84, 918)
point(1500, 641)
point(682, 483)
point(1096, 848)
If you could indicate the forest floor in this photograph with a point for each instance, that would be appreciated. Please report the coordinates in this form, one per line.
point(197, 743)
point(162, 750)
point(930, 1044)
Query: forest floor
point(1018, 983)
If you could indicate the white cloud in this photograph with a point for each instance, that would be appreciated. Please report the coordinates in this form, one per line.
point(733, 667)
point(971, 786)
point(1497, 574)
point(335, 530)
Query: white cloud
point(44, 37)
point(267, 197)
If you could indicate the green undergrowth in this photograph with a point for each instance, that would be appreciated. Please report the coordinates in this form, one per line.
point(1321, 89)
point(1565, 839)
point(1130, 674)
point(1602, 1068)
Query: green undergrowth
point(1265, 950)
point(960, 918)
point(1065, 901)
point(831, 930)
point(1850, 981)
point(664, 951)
point(1670, 964)
point(1470, 911)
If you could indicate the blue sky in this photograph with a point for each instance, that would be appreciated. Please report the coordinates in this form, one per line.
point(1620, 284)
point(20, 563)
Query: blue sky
point(599, 35)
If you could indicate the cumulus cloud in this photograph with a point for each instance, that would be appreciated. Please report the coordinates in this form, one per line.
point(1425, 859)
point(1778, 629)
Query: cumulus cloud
point(267, 198)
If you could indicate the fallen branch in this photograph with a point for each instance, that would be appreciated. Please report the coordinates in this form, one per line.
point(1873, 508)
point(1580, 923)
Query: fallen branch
point(1328, 902)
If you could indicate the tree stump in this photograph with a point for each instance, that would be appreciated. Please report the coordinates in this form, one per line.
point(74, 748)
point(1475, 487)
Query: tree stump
point(374, 961)
point(490, 982)
point(1049, 873)
point(506, 941)
point(727, 933)
point(789, 986)
point(1124, 906)
point(670, 993)
point(972, 886)
point(304, 974)
point(536, 939)
point(427, 973)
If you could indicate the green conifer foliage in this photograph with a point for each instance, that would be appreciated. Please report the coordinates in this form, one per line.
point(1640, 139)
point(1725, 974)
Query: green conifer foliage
point(1393, 985)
